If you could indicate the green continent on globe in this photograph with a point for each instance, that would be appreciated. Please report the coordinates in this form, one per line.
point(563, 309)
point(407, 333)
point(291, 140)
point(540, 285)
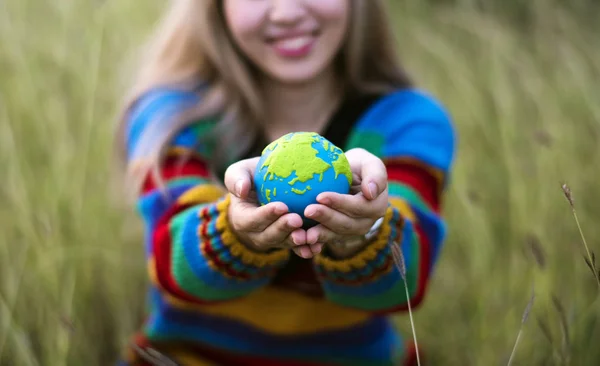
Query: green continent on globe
point(295, 153)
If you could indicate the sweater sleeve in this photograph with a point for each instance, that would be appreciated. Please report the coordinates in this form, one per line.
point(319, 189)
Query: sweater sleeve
point(413, 135)
point(192, 255)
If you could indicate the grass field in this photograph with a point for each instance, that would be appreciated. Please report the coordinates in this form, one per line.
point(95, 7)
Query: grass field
point(527, 108)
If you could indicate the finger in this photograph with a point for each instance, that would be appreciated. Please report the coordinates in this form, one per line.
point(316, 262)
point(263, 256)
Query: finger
point(316, 248)
point(303, 251)
point(239, 176)
point(313, 250)
point(294, 239)
point(297, 237)
point(356, 183)
point(321, 234)
point(337, 221)
point(247, 217)
point(356, 205)
point(279, 231)
point(288, 242)
point(372, 172)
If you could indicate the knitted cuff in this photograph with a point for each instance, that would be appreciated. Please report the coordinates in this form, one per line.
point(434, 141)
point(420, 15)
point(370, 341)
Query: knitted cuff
point(369, 264)
point(221, 246)
point(206, 249)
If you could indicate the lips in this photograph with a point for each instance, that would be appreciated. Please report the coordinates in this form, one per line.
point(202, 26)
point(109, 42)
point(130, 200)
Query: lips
point(293, 45)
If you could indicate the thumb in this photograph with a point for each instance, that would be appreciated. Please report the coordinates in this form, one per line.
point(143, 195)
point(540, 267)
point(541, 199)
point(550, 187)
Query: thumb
point(375, 181)
point(239, 177)
point(371, 170)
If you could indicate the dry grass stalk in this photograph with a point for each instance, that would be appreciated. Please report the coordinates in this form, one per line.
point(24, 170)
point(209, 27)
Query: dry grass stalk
point(564, 327)
point(153, 357)
point(545, 328)
point(523, 320)
point(67, 323)
point(536, 250)
point(401, 265)
point(591, 256)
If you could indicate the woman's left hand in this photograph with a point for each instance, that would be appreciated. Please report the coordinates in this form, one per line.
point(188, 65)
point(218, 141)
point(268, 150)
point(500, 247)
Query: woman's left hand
point(345, 218)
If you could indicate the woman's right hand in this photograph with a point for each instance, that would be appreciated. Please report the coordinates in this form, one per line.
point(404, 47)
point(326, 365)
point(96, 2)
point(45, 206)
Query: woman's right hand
point(262, 227)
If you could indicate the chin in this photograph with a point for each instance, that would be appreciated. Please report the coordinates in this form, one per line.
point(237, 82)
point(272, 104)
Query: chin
point(296, 74)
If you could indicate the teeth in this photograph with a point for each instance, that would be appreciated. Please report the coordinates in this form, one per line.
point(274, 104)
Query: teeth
point(294, 43)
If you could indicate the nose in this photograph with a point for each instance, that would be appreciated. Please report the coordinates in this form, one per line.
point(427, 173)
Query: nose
point(287, 11)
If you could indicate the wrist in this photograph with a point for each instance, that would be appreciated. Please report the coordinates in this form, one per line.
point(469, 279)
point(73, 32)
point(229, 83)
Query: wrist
point(353, 245)
point(248, 243)
point(347, 248)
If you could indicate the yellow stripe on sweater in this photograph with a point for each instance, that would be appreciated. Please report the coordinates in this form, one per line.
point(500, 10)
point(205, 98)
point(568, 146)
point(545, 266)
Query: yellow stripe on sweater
point(201, 194)
point(405, 209)
point(275, 310)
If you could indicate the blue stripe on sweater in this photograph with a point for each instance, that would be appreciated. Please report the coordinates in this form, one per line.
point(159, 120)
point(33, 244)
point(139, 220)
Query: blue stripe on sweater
point(414, 125)
point(150, 112)
point(435, 229)
point(153, 205)
point(371, 341)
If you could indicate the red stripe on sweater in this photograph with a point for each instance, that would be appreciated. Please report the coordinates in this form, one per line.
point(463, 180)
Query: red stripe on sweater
point(424, 265)
point(211, 254)
point(423, 275)
point(161, 247)
point(222, 266)
point(419, 179)
point(426, 185)
point(174, 168)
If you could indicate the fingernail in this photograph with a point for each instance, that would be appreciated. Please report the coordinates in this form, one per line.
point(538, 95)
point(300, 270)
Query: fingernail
point(316, 249)
point(306, 254)
point(324, 200)
point(310, 212)
point(238, 188)
point(373, 189)
point(279, 209)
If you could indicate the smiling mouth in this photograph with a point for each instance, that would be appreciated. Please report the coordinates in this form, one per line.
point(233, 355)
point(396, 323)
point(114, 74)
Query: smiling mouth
point(274, 39)
point(293, 46)
point(293, 43)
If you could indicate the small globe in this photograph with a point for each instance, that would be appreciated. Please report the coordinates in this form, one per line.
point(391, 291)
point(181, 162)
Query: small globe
point(297, 167)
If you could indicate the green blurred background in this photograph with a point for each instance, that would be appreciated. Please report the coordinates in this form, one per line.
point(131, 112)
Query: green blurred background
point(521, 78)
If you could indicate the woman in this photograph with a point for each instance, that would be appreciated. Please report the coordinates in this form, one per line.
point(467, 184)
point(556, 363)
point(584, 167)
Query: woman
point(236, 283)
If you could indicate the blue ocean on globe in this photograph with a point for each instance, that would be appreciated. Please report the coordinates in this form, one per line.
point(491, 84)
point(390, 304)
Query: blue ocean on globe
point(297, 167)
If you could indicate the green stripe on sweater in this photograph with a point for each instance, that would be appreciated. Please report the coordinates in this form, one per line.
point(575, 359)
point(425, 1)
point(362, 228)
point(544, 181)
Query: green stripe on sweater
point(395, 295)
point(180, 267)
point(407, 193)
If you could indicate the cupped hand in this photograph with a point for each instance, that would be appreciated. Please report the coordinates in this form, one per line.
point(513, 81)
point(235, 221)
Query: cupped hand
point(262, 227)
point(346, 218)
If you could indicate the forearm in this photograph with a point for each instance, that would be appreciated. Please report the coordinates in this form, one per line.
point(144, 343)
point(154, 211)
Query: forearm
point(369, 279)
point(413, 135)
point(193, 253)
point(197, 258)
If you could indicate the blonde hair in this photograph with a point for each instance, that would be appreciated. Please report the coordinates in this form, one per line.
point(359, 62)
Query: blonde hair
point(192, 46)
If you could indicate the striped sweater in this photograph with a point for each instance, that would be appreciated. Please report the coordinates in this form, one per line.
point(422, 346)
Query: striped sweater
point(214, 301)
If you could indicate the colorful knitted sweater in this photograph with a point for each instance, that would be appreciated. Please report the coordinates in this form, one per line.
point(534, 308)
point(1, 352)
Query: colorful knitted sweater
point(214, 301)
